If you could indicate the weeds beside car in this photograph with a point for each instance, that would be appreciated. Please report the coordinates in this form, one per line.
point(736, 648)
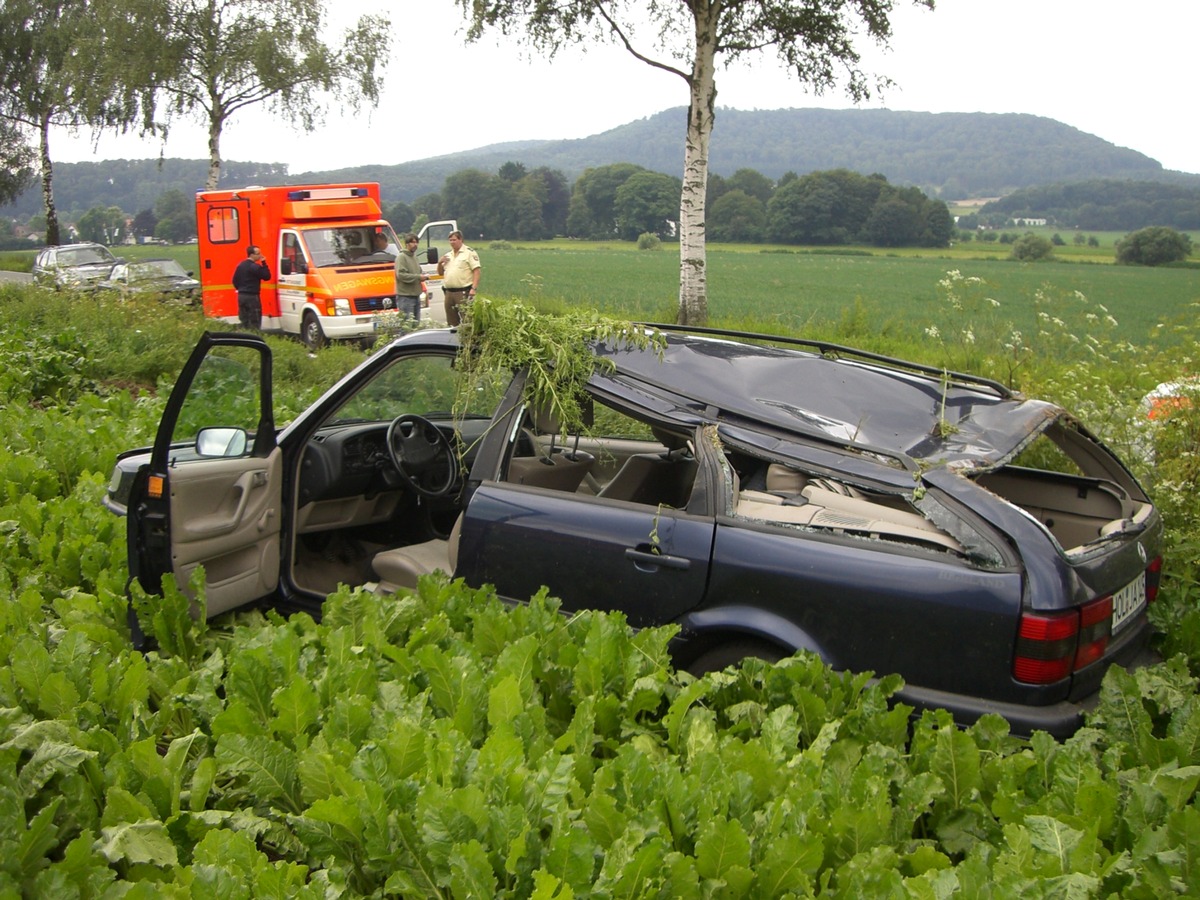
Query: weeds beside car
point(439, 742)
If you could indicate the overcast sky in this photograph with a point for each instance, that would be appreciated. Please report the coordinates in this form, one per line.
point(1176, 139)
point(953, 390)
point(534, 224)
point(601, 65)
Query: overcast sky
point(1122, 71)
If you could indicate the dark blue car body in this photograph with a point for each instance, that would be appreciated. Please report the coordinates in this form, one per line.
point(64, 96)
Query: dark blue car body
point(764, 495)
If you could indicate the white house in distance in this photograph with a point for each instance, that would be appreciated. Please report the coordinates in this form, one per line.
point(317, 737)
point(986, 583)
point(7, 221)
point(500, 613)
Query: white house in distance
point(1028, 223)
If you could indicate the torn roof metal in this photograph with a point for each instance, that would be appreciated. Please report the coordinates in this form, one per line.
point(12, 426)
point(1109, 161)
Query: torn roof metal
point(882, 406)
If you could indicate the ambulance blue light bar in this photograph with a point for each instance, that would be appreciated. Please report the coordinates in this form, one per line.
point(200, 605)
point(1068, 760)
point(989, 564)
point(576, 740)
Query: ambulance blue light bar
point(327, 193)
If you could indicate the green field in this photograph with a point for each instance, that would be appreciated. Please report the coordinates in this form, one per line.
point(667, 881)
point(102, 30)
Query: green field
point(849, 292)
point(811, 292)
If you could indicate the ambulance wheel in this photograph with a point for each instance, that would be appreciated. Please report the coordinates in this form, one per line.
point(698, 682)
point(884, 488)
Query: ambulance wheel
point(311, 333)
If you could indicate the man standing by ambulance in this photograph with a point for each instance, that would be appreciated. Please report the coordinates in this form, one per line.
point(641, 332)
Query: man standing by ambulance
point(460, 269)
point(248, 277)
point(408, 279)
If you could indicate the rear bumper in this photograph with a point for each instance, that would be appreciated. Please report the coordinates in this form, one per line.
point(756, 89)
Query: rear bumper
point(1060, 720)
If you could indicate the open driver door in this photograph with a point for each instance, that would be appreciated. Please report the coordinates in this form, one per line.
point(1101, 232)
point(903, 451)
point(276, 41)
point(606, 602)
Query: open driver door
point(211, 494)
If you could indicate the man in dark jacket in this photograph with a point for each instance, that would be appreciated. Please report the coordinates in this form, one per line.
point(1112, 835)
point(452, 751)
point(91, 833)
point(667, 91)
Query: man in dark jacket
point(248, 277)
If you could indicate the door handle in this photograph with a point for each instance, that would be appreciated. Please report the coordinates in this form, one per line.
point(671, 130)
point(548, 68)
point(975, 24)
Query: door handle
point(645, 560)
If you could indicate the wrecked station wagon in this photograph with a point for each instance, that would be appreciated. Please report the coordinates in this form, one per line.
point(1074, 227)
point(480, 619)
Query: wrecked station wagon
point(765, 495)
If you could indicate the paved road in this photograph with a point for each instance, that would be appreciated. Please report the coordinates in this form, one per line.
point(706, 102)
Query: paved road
point(435, 312)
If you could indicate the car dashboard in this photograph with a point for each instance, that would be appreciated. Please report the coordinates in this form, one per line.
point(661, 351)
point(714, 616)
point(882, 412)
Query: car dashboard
point(347, 477)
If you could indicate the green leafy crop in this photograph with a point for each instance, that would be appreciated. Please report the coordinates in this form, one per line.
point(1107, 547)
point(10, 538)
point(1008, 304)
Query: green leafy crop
point(439, 743)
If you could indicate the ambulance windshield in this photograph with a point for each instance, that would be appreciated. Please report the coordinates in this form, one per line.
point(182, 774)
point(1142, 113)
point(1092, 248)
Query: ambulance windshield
point(353, 245)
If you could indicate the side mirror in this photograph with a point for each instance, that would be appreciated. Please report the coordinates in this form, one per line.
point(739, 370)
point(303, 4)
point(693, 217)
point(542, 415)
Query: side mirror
point(285, 267)
point(221, 442)
point(431, 256)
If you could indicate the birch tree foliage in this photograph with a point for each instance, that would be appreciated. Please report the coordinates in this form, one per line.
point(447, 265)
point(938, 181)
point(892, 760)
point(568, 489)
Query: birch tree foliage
point(16, 162)
point(224, 57)
point(62, 64)
point(814, 39)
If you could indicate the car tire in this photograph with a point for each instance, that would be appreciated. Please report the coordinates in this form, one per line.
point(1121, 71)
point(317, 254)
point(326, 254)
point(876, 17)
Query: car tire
point(731, 652)
point(311, 333)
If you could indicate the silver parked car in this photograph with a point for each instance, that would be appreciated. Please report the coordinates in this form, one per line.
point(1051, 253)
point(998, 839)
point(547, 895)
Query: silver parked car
point(164, 278)
point(73, 266)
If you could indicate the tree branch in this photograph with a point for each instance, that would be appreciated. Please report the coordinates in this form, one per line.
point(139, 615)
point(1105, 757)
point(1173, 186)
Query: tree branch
point(616, 29)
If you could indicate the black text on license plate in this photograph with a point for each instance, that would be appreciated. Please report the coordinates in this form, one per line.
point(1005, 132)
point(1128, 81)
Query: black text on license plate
point(1128, 602)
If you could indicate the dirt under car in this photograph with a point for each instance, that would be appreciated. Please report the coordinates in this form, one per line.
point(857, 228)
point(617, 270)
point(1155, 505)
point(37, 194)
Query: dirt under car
point(765, 495)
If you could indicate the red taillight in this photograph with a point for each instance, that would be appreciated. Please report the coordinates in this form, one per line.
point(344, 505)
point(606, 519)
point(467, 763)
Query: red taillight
point(1052, 646)
point(1153, 577)
point(1045, 647)
point(1095, 628)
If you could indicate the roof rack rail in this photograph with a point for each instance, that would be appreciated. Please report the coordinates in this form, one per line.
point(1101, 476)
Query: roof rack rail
point(826, 348)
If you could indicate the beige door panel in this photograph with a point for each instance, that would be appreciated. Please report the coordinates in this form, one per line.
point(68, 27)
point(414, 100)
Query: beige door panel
point(225, 516)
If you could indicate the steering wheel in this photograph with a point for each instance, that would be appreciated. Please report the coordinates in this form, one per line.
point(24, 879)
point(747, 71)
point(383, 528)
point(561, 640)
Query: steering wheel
point(423, 455)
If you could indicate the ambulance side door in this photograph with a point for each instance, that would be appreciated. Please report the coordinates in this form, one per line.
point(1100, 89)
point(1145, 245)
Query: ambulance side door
point(292, 280)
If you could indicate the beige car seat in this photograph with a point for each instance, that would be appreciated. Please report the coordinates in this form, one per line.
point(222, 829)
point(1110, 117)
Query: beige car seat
point(558, 468)
point(656, 478)
point(400, 567)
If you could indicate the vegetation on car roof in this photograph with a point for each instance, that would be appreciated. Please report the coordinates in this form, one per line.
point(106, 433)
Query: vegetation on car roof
point(555, 349)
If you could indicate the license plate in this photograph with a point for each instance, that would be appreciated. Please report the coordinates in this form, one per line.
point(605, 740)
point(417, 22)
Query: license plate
point(1128, 602)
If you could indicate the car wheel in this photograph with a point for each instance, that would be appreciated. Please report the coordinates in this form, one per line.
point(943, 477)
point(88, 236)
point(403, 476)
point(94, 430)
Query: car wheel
point(311, 333)
point(732, 652)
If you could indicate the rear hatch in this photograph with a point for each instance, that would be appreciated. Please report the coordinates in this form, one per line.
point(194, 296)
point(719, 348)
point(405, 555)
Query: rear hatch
point(1087, 597)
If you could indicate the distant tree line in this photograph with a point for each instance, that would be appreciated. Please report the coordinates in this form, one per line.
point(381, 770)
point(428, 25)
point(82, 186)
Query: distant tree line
point(1101, 205)
point(623, 201)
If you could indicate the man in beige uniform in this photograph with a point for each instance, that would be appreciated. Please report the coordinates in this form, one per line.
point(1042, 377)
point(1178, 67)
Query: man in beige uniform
point(460, 269)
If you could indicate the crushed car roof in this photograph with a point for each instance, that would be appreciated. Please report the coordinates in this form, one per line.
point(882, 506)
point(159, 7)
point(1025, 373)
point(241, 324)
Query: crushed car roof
point(899, 409)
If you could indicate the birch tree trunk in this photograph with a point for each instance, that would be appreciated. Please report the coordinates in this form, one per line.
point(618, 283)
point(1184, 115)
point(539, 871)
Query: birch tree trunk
point(693, 261)
point(52, 235)
point(214, 151)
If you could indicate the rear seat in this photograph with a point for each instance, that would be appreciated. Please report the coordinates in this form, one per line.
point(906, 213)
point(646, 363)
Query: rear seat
point(655, 479)
point(842, 508)
point(786, 480)
point(557, 469)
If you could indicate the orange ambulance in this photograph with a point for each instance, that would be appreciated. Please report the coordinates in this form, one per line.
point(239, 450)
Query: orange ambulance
point(331, 253)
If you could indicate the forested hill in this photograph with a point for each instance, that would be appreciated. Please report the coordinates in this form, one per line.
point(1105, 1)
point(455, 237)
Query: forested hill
point(950, 155)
